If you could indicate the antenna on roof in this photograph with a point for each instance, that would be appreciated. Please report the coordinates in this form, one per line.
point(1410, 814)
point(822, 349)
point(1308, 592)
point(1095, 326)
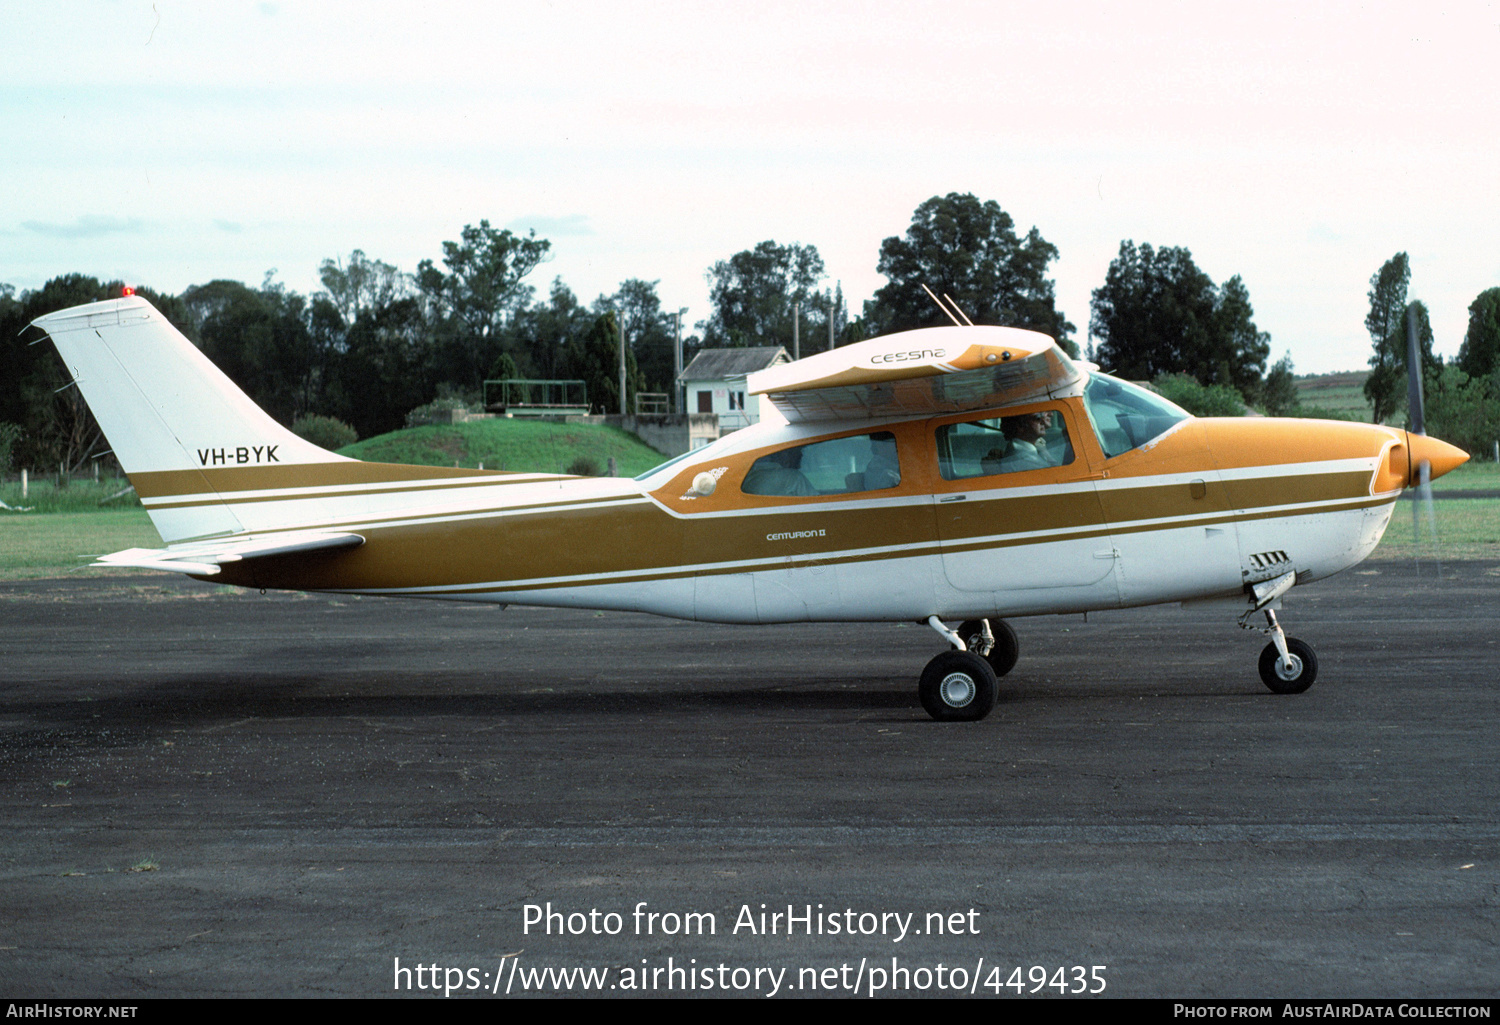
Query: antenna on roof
point(961, 313)
point(940, 305)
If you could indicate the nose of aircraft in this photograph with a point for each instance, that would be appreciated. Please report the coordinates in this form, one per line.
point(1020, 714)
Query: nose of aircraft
point(1438, 455)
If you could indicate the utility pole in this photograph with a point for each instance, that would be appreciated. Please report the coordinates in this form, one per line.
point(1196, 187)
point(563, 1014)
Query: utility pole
point(833, 309)
point(677, 396)
point(796, 331)
point(622, 362)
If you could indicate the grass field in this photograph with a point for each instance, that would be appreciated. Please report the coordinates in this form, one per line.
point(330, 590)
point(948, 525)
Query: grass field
point(44, 496)
point(1466, 529)
point(35, 546)
point(504, 444)
point(1343, 392)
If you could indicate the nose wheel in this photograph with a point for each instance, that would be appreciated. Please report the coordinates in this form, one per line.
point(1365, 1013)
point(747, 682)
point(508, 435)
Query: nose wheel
point(1292, 674)
point(1287, 665)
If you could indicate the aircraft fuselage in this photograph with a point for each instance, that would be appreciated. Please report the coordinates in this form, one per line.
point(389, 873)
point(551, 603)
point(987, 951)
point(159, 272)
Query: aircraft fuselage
point(1205, 509)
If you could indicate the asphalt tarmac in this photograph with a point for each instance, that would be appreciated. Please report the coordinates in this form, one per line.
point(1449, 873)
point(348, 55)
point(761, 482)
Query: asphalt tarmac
point(211, 792)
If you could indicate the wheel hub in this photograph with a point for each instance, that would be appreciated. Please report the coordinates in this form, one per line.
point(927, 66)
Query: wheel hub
point(957, 689)
point(1291, 674)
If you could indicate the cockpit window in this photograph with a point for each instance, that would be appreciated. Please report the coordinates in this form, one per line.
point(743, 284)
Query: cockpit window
point(1010, 444)
point(864, 462)
point(1126, 416)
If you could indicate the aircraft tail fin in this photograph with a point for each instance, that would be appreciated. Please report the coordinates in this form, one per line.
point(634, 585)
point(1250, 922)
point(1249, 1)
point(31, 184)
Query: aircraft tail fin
point(182, 430)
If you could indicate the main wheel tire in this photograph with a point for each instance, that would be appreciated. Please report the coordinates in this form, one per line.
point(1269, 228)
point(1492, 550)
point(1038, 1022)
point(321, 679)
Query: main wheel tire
point(958, 686)
point(1004, 649)
point(1304, 668)
point(1007, 648)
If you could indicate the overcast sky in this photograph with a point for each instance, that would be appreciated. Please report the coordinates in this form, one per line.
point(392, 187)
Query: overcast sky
point(1299, 145)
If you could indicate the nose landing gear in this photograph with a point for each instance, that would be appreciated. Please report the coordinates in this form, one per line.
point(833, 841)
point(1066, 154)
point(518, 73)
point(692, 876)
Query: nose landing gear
point(1287, 665)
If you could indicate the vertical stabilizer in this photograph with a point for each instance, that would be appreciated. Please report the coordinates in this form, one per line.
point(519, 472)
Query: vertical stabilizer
point(173, 419)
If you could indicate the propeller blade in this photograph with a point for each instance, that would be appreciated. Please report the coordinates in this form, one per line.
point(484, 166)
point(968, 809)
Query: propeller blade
point(1414, 373)
point(1424, 493)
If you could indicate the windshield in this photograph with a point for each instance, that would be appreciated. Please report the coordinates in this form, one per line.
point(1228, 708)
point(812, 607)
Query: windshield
point(658, 468)
point(1126, 416)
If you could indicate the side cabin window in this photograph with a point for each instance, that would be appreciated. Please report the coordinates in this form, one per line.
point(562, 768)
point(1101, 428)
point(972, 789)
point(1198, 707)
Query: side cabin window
point(1003, 444)
point(863, 462)
point(1126, 416)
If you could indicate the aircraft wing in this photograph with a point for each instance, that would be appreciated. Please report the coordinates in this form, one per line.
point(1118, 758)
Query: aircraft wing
point(924, 372)
point(203, 558)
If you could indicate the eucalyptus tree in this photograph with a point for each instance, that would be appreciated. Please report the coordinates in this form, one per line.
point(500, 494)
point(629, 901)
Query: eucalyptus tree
point(969, 251)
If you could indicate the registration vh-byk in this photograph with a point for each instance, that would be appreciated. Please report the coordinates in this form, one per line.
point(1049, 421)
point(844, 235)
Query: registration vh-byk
point(963, 474)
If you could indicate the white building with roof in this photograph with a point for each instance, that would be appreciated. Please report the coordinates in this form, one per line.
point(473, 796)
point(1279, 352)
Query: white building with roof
point(715, 383)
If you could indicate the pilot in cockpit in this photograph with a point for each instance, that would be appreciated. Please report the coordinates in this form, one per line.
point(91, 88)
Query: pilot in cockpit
point(1025, 445)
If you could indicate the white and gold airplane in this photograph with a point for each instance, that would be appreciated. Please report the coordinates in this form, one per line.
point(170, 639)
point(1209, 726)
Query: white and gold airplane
point(956, 473)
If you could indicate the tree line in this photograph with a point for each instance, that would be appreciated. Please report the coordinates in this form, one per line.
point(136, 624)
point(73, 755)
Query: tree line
point(376, 342)
point(1461, 396)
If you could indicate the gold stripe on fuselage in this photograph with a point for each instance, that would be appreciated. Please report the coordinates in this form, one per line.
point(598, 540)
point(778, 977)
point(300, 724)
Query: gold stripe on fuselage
point(239, 479)
point(247, 497)
point(542, 546)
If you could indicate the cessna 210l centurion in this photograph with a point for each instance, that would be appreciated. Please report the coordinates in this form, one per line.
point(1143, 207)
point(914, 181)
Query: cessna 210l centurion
point(955, 473)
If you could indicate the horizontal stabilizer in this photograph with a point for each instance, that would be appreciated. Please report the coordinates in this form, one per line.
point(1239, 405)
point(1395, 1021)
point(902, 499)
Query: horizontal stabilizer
point(204, 558)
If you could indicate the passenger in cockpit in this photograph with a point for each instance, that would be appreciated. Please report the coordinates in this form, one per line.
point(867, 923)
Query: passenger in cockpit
point(778, 474)
point(884, 469)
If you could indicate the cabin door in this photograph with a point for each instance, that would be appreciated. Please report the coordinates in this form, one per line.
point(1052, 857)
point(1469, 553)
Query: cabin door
point(1018, 513)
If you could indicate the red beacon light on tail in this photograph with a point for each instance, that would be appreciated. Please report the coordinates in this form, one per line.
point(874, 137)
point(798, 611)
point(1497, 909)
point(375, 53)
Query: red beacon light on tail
point(128, 290)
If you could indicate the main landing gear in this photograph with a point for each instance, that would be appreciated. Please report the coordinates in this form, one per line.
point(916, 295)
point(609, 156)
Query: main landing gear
point(1287, 665)
point(962, 685)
